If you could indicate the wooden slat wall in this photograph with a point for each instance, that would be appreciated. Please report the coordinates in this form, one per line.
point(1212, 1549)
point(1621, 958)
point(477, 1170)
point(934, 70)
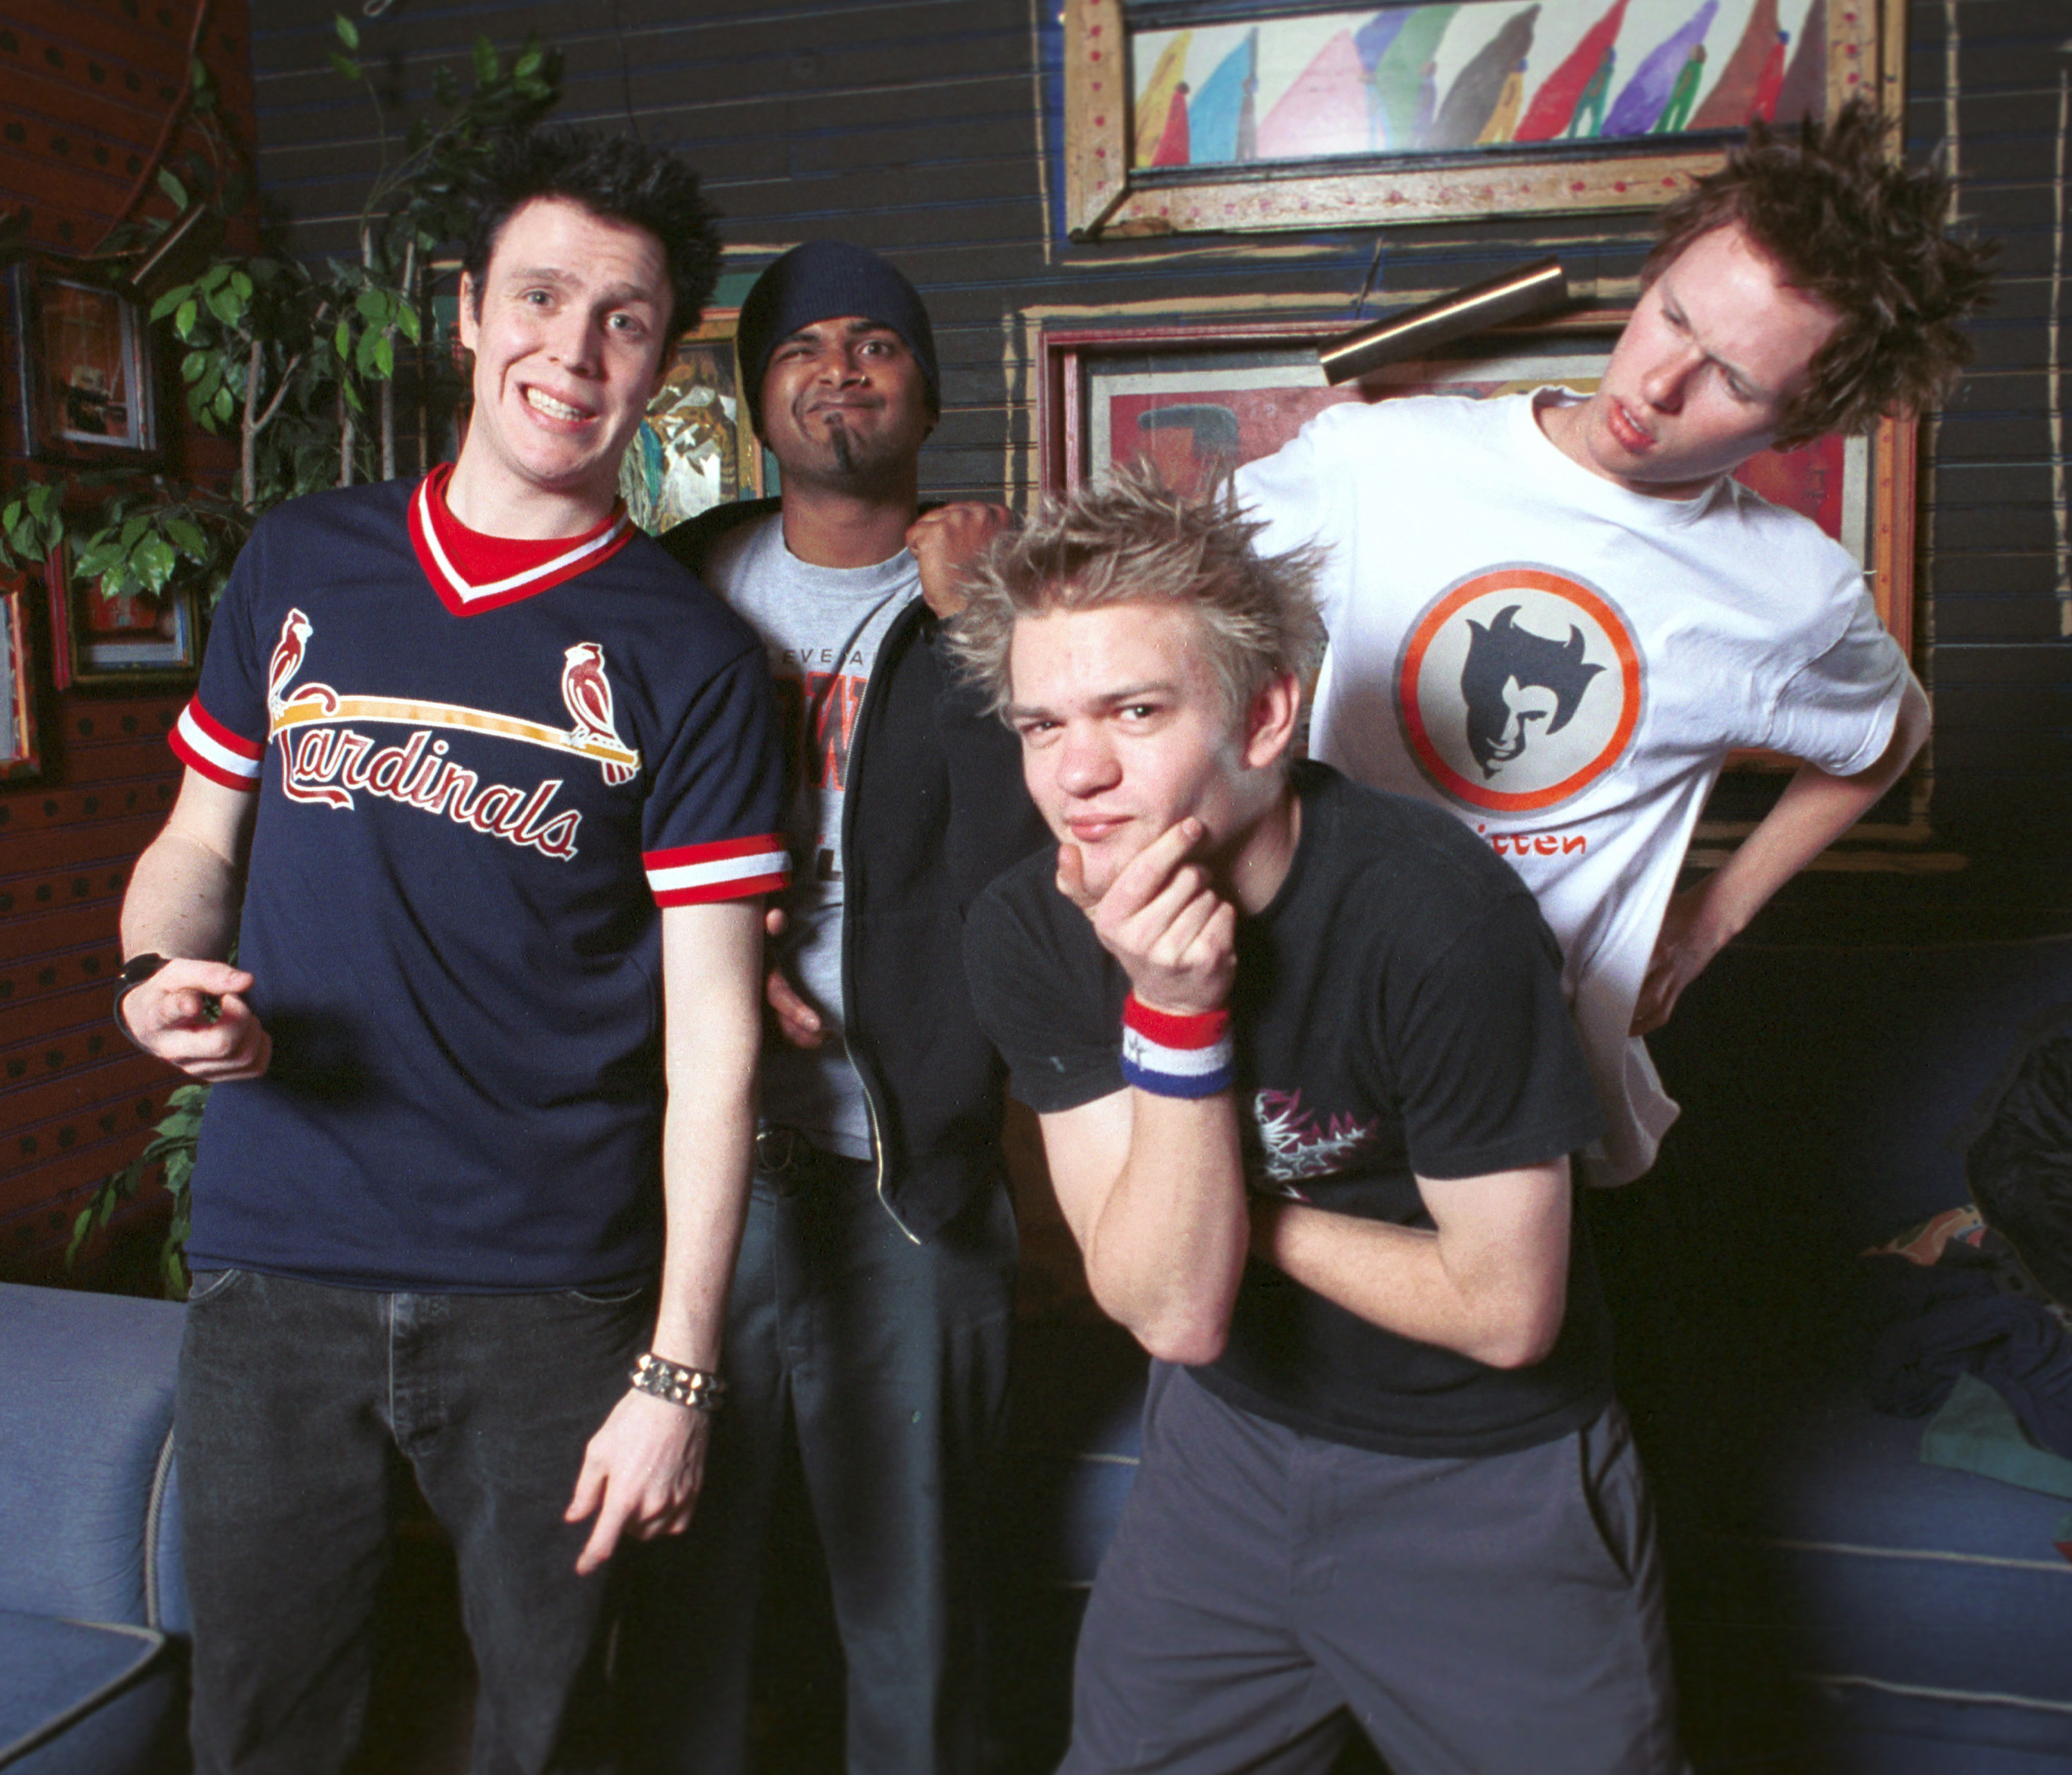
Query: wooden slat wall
point(84, 88)
point(915, 126)
point(1988, 81)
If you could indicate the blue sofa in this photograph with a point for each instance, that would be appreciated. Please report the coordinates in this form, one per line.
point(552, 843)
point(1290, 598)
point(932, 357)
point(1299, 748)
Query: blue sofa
point(92, 1604)
point(1839, 1607)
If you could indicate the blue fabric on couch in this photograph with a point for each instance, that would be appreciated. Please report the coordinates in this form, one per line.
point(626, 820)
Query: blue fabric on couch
point(1835, 1597)
point(89, 1564)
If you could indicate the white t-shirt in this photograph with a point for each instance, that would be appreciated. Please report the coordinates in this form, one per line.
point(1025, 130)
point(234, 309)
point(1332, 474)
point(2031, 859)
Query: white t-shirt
point(821, 628)
point(1566, 665)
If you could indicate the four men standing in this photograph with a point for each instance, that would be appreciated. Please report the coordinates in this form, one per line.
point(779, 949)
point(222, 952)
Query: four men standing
point(497, 784)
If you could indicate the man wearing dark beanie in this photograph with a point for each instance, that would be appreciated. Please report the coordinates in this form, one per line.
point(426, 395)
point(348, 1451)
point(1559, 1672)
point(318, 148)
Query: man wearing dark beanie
point(867, 1328)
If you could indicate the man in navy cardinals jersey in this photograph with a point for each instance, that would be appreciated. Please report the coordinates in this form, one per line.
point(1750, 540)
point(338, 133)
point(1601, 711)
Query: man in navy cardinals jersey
point(484, 788)
point(867, 1331)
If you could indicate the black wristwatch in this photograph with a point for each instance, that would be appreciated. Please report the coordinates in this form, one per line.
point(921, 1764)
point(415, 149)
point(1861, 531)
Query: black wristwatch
point(135, 971)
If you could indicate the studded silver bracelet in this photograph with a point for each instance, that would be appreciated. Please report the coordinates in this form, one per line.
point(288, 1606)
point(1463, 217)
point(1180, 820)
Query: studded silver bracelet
point(698, 1388)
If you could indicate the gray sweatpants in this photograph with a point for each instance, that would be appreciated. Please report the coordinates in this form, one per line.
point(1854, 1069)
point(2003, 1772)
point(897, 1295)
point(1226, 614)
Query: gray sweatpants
point(1266, 1590)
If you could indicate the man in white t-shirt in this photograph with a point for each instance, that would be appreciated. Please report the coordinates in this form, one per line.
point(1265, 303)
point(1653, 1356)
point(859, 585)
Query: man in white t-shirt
point(1557, 616)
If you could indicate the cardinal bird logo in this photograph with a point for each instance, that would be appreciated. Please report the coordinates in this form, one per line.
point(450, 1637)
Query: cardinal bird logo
point(587, 691)
point(287, 659)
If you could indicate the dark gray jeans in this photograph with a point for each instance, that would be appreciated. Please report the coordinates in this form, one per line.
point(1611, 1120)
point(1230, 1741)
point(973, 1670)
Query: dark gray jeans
point(880, 1367)
point(294, 1403)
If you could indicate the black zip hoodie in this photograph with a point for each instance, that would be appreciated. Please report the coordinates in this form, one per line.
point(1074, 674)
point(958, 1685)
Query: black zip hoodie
point(935, 808)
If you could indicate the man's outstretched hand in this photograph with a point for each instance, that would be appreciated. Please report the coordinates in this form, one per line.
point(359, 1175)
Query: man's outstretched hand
point(194, 1015)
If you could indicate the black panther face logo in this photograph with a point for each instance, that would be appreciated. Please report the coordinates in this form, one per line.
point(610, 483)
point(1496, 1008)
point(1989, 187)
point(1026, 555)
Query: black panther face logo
point(1515, 682)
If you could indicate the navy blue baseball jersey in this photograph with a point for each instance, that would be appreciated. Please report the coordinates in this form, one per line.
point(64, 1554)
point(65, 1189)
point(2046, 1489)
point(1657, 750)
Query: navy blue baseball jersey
point(477, 788)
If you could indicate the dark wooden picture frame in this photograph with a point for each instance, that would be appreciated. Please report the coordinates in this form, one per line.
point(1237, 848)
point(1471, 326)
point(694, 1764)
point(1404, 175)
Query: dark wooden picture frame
point(86, 376)
point(1115, 184)
point(98, 643)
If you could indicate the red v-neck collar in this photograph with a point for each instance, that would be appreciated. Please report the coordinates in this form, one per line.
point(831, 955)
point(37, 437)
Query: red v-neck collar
point(472, 571)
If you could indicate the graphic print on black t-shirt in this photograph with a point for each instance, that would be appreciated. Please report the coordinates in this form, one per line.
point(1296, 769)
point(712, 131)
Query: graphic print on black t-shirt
point(1293, 1145)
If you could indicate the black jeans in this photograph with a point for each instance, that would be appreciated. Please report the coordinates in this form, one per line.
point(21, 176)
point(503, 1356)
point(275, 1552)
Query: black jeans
point(294, 1401)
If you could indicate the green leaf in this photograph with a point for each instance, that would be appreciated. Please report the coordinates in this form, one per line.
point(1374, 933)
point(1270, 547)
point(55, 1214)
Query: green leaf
point(241, 284)
point(134, 529)
point(343, 340)
point(223, 404)
point(192, 365)
point(189, 535)
point(528, 64)
point(485, 62)
point(172, 187)
point(363, 360)
point(348, 33)
point(226, 307)
point(374, 306)
point(344, 64)
point(172, 299)
point(184, 322)
point(407, 319)
point(215, 277)
point(384, 356)
point(156, 560)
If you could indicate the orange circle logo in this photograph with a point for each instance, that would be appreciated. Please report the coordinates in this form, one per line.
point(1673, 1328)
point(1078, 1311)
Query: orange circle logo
point(1517, 688)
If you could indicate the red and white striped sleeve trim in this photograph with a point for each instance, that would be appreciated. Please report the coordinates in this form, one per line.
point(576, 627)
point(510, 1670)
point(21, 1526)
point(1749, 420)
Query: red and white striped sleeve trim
point(208, 746)
point(730, 869)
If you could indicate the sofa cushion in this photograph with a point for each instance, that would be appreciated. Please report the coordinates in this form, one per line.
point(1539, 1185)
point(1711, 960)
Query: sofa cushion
point(1912, 1599)
point(71, 1693)
point(90, 1388)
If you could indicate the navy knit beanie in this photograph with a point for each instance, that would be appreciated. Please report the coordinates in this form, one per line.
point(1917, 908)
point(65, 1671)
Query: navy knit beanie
point(820, 280)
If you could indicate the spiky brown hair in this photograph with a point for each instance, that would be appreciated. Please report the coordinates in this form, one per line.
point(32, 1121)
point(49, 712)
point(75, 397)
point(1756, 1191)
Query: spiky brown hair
point(1865, 234)
point(1132, 539)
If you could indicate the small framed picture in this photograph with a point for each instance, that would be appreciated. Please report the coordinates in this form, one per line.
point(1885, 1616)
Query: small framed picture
point(19, 755)
point(88, 387)
point(697, 447)
point(99, 642)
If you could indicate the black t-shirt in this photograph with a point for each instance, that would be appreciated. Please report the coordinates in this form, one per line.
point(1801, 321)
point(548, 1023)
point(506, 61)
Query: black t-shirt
point(1397, 1009)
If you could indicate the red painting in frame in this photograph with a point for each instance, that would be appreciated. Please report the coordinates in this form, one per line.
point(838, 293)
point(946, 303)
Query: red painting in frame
point(1196, 398)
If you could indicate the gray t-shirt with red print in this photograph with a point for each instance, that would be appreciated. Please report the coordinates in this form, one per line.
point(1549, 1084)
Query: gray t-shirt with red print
point(821, 628)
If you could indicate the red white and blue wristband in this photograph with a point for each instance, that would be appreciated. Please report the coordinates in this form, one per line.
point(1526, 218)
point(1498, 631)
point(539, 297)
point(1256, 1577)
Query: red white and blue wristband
point(1175, 1056)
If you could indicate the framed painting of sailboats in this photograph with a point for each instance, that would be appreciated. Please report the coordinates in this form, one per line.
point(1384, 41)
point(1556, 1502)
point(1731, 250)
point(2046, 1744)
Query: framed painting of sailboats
point(1215, 115)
